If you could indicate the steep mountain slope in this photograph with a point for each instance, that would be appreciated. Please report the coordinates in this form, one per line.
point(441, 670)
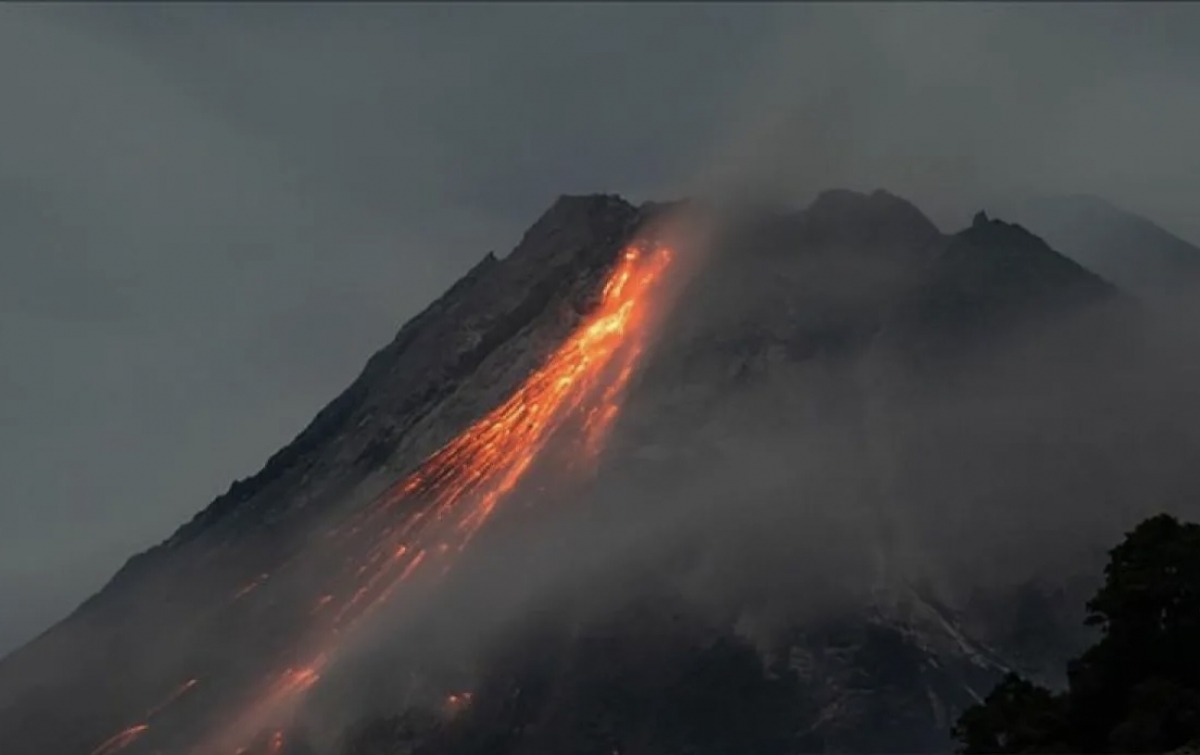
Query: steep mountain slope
point(778, 347)
point(1125, 248)
point(158, 618)
point(793, 540)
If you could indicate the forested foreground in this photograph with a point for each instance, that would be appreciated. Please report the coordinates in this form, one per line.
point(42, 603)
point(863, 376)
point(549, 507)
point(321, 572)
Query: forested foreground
point(1137, 689)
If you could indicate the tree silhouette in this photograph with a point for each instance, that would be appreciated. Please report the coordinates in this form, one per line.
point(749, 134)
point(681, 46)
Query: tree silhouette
point(1138, 688)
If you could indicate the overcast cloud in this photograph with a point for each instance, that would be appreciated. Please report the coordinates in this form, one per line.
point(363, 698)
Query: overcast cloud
point(210, 215)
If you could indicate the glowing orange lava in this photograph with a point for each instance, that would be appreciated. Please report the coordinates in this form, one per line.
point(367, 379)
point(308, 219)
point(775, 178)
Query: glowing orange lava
point(179, 692)
point(584, 380)
point(249, 587)
point(126, 737)
point(298, 680)
point(454, 493)
point(121, 740)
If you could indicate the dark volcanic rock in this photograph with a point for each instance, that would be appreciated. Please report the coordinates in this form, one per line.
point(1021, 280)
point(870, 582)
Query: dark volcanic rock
point(882, 221)
point(1134, 253)
point(995, 276)
point(816, 282)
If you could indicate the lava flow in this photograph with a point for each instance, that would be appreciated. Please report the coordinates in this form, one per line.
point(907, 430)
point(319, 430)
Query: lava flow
point(126, 737)
point(121, 740)
point(584, 380)
point(435, 511)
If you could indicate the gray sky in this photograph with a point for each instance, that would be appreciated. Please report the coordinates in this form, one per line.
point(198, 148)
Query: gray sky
point(210, 215)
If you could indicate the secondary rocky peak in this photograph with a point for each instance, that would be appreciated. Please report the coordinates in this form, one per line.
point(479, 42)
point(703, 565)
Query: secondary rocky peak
point(993, 275)
point(867, 218)
point(1133, 252)
point(997, 239)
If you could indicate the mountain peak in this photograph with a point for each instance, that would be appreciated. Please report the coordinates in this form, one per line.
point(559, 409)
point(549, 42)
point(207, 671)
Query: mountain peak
point(993, 275)
point(570, 224)
point(576, 205)
point(866, 217)
point(574, 208)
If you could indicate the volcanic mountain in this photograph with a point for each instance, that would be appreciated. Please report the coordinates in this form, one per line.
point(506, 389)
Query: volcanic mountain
point(663, 479)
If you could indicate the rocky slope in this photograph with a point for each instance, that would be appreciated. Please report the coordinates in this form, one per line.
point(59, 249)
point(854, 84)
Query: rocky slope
point(1128, 249)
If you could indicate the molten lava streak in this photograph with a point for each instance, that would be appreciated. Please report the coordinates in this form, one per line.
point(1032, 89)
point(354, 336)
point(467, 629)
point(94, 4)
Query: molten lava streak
point(126, 737)
point(120, 740)
point(453, 494)
point(463, 483)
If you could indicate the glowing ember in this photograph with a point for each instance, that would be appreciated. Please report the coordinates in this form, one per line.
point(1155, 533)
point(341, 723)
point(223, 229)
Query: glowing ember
point(124, 738)
point(249, 587)
point(463, 483)
point(121, 740)
point(457, 701)
point(269, 709)
point(298, 680)
point(179, 692)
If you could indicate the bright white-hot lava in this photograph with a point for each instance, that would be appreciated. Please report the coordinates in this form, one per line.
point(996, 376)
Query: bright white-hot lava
point(433, 513)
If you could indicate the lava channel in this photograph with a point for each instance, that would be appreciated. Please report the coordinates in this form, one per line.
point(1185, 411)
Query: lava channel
point(459, 487)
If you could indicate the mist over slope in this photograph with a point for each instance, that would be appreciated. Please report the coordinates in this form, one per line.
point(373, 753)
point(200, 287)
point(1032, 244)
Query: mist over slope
point(1129, 250)
point(856, 446)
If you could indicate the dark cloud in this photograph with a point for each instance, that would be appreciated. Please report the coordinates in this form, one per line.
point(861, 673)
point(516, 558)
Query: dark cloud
point(211, 214)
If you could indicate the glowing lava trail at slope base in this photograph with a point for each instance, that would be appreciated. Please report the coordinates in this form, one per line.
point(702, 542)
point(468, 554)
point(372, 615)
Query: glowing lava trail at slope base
point(434, 512)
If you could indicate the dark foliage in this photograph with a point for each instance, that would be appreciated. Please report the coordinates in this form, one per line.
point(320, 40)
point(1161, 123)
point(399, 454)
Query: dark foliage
point(1138, 688)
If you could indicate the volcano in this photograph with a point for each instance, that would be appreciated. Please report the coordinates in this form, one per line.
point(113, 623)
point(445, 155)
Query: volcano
point(638, 487)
